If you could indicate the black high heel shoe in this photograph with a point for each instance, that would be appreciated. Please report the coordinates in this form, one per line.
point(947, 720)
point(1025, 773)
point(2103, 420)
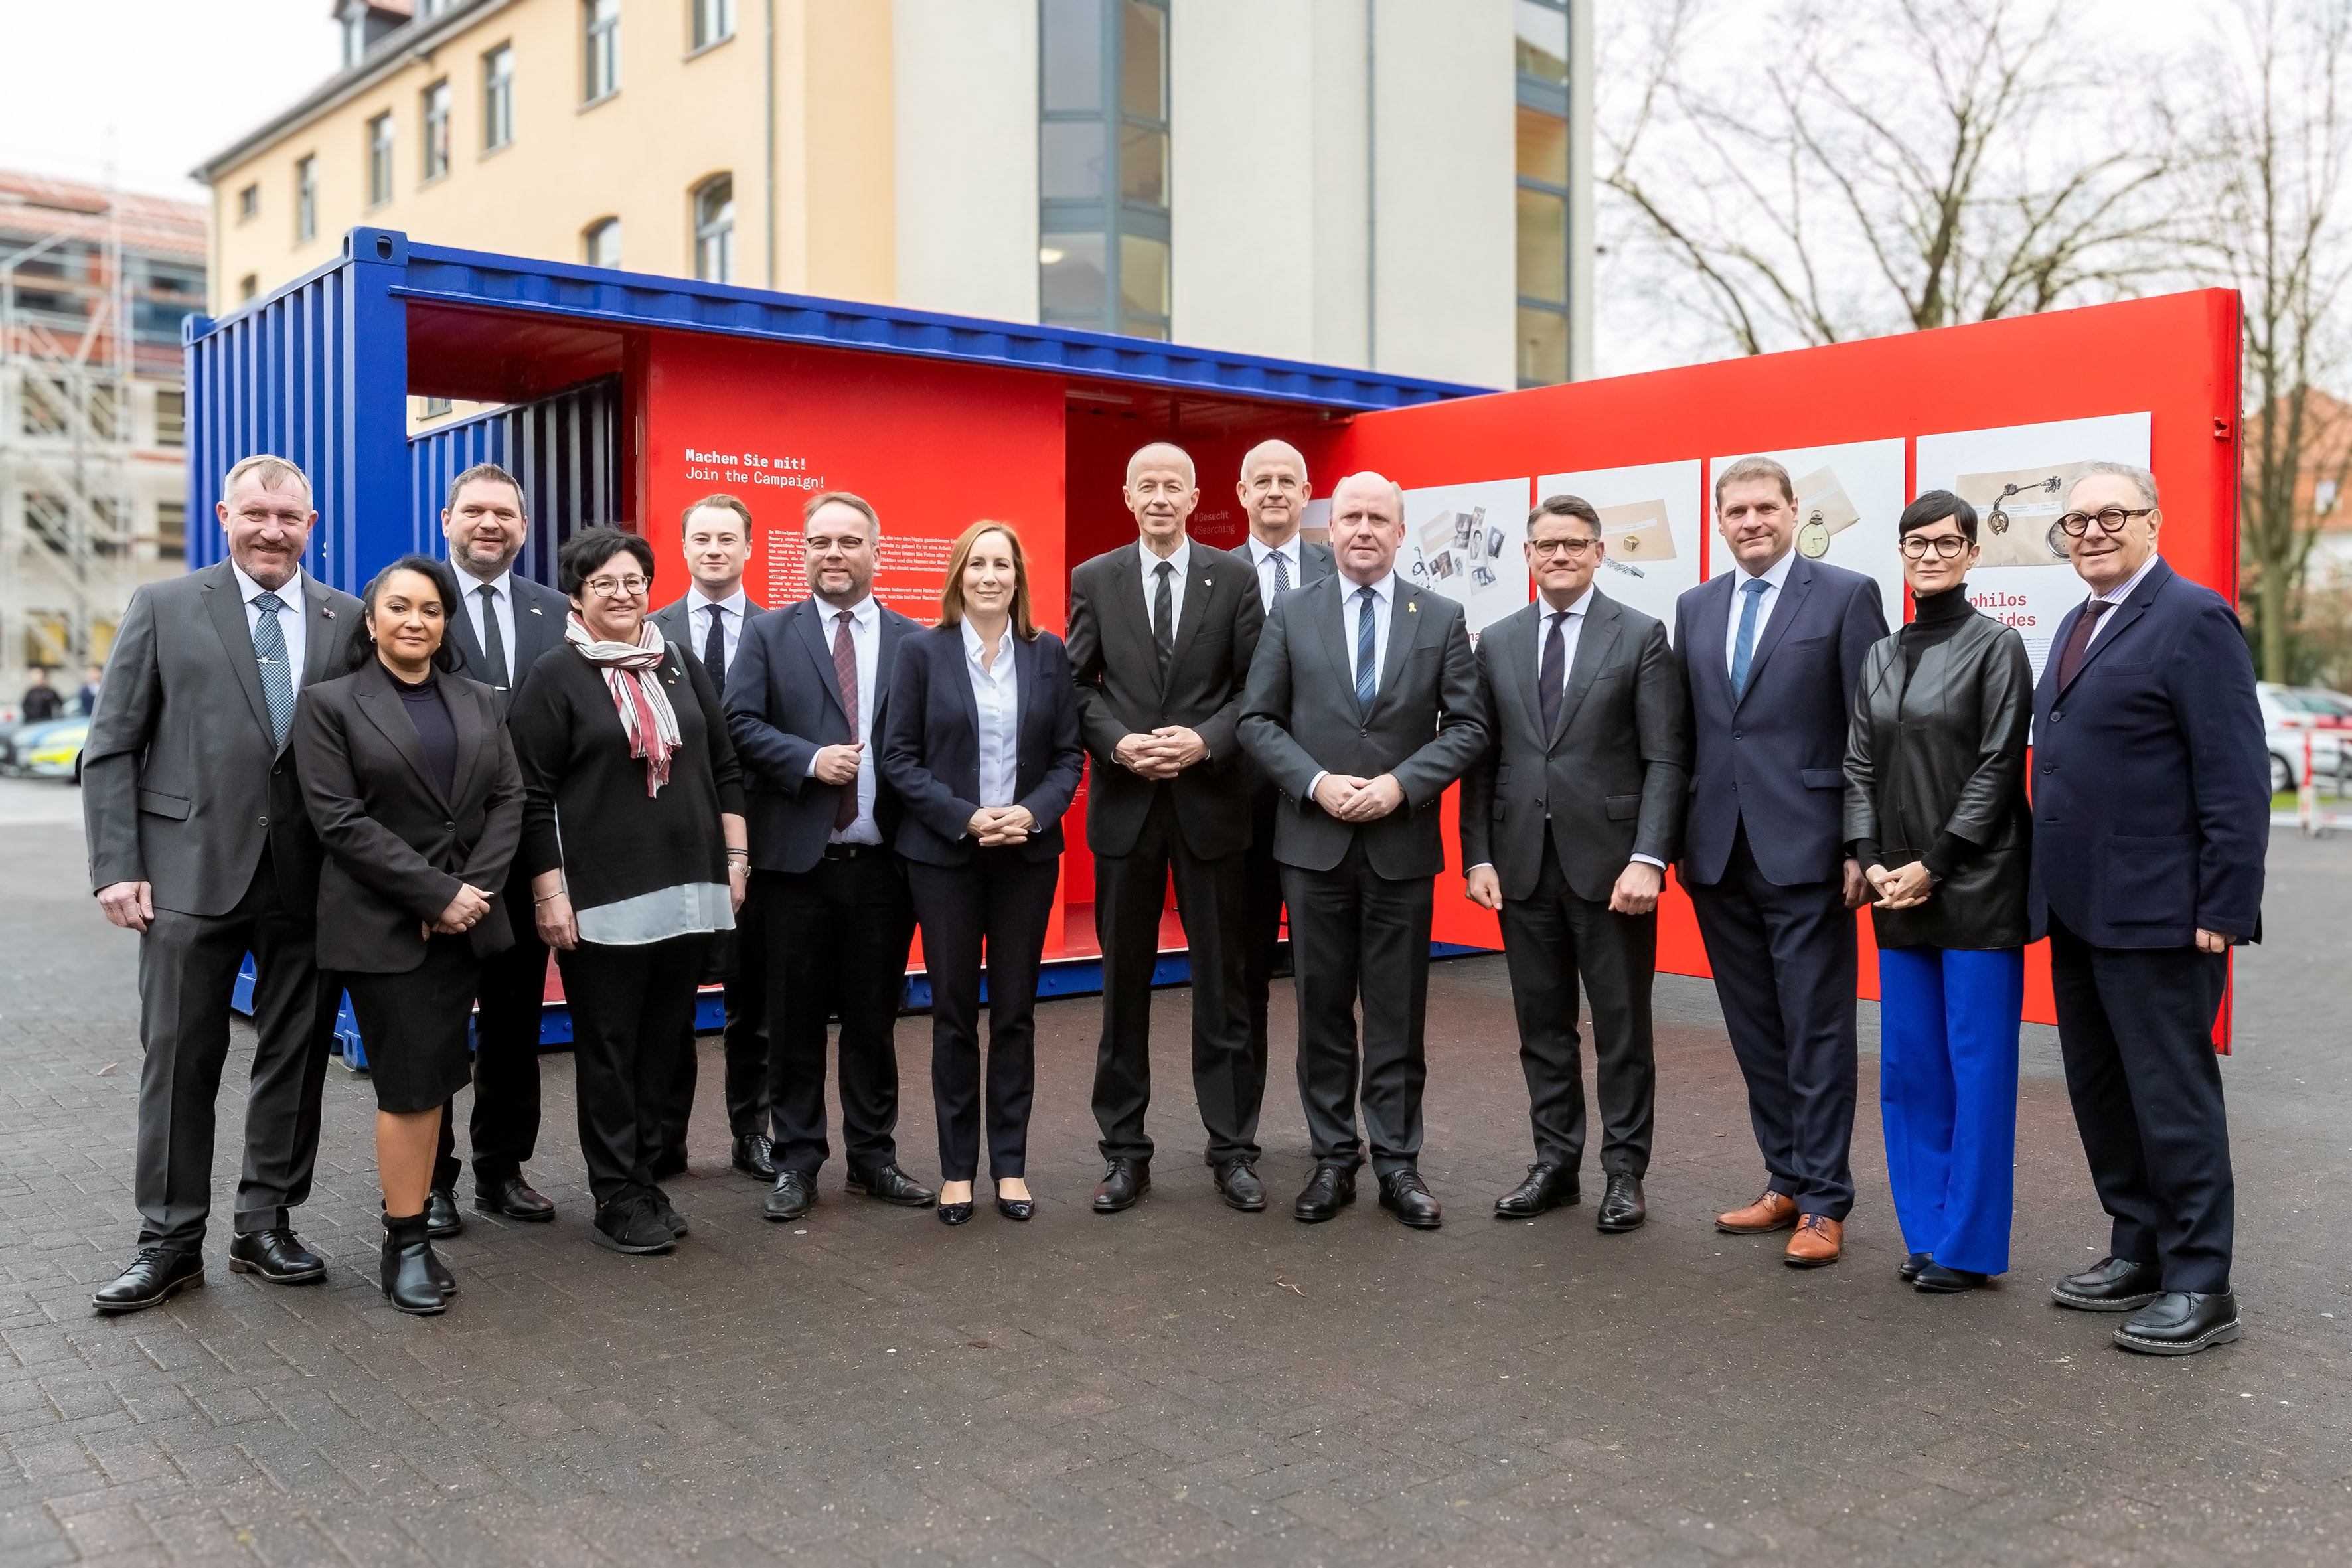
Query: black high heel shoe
point(407, 1275)
point(954, 1214)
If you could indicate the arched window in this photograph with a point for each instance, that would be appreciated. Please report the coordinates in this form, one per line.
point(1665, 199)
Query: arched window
point(714, 230)
point(600, 243)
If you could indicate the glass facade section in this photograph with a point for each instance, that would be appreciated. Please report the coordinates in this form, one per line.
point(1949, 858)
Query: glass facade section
point(1103, 258)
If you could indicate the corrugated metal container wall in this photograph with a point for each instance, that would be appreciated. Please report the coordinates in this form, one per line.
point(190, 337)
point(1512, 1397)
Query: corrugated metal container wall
point(564, 448)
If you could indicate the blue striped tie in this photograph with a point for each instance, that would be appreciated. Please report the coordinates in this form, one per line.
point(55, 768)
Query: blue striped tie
point(276, 670)
point(1368, 666)
point(1743, 648)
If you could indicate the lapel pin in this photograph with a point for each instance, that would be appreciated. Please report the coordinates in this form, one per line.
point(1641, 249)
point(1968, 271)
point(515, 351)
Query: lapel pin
point(328, 611)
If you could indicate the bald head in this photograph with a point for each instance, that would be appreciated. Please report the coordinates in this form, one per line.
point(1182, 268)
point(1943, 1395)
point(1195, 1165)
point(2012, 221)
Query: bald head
point(1160, 493)
point(1273, 491)
point(1161, 454)
point(1367, 526)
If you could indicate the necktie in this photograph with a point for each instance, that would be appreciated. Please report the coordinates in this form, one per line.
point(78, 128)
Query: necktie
point(1163, 616)
point(844, 670)
point(494, 641)
point(1743, 648)
point(1281, 573)
point(1368, 669)
point(714, 648)
point(2078, 642)
point(1552, 679)
point(276, 672)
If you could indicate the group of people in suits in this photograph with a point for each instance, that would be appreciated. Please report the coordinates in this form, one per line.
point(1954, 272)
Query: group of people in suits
point(368, 795)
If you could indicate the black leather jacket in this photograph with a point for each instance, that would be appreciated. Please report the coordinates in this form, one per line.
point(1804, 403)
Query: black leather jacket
point(1945, 753)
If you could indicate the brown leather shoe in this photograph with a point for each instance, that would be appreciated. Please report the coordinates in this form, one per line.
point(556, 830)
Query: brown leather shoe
point(1770, 1211)
point(1816, 1241)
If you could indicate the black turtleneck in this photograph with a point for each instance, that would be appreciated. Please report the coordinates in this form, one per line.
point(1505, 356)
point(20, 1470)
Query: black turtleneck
point(429, 711)
point(1935, 619)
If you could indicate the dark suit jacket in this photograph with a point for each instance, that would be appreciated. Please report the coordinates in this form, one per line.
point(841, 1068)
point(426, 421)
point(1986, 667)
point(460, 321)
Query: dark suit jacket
point(540, 613)
point(932, 756)
point(1314, 564)
point(783, 703)
point(1776, 756)
point(676, 621)
point(397, 849)
point(1427, 726)
point(1615, 774)
point(183, 781)
point(2151, 780)
point(1117, 667)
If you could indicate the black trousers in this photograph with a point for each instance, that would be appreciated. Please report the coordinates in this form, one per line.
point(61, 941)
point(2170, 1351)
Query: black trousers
point(836, 945)
point(1549, 940)
point(1004, 902)
point(627, 1005)
point(743, 1044)
point(187, 974)
point(1784, 969)
point(504, 1129)
point(1262, 950)
point(1354, 932)
point(1213, 898)
point(2136, 1028)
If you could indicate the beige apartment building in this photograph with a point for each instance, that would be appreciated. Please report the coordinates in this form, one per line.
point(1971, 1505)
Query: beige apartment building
point(1394, 183)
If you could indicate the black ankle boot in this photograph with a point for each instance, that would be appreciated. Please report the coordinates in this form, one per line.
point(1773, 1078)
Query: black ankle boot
point(408, 1282)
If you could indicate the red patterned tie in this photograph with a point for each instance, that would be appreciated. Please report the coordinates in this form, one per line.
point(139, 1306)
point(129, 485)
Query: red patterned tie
point(844, 672)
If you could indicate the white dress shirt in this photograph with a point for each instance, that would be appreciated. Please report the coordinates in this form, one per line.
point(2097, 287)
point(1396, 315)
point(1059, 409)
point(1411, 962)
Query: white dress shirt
point(1261, 555)
point(2119, 596)
point(1351, 609)
point(865, 638)
point(996, 694)
point(290, 620)
point(730, 612)
point(1775, 578)
point(502, 603)
point(1181, 560)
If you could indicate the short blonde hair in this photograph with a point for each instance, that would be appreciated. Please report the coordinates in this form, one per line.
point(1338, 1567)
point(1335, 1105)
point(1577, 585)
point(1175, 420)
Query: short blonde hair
point(269, 471)
point(951, 592)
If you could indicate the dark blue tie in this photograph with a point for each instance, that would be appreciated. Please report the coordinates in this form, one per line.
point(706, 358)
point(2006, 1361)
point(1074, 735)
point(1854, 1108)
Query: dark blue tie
point(1743, 647)
point(1368, 669)
point(277, 673)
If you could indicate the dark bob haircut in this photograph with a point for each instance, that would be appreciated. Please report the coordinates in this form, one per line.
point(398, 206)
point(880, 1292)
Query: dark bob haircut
point(1933, 508)
point(449, 656)
point(585, 552)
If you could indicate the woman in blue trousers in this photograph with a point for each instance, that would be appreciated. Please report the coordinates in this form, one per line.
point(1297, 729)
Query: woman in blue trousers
point(1936, 813)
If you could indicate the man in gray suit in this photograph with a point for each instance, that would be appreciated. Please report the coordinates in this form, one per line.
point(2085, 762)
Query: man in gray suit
point(199, 842)
point(1274, 493)
point(506, 626)
point(1363, 707)
point(707, 620)
point(1568, 825)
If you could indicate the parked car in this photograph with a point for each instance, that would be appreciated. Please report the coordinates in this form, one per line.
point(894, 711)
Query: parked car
point(56, 751)
point(2296, 724)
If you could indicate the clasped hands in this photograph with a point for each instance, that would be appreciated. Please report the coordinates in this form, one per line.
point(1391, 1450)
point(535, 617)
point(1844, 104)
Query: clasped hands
point(465, 913)
point(992, 826)
point(1351, 799)
point(1162, 754)
point(1903, 887)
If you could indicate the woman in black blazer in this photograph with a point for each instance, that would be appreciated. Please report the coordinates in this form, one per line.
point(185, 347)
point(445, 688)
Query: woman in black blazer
point(412, 783)
point(982, 747)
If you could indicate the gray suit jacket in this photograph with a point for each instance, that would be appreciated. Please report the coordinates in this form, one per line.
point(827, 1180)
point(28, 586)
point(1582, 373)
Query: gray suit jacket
point(539, 615)
point(1426, 725)
point(675, 621)
point(1615, 775)
point(182, 784)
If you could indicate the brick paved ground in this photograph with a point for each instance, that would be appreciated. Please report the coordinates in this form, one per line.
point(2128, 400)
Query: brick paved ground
point(1175, 1384)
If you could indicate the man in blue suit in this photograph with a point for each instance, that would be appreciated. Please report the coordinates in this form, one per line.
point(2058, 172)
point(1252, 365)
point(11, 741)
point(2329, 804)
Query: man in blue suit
point(2151, 813)
point(805, 699)
point(1770, 653)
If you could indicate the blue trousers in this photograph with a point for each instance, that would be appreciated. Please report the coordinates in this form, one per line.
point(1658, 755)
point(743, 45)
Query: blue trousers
point(1947, 1094)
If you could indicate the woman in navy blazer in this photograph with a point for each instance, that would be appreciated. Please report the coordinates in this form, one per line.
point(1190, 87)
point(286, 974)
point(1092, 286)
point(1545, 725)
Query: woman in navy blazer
point(982, 747)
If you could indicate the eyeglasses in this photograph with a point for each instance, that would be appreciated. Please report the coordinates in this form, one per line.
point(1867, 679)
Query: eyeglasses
point(2110, 519)
point(1574, 549)
point(616, 587)
point(1947, 545)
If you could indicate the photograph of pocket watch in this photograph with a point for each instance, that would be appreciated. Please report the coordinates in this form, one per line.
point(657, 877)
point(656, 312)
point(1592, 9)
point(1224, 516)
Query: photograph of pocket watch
point(1823, 512)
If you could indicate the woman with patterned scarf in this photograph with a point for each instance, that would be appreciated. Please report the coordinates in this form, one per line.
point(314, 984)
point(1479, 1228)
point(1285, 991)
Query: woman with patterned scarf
point(634, 835)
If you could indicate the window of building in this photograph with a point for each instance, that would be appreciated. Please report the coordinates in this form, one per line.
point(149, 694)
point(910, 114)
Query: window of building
point(379, 144)
point(1543, 206)
point(171, 417)
point(714, 22)
point(602, 56)
point(247, 287)
point(600, 243)
point(497, 98)
point(355, 32)
point(433, 407)
point(306, 200)
point(1102, 152)
point(248, 202)
point(437, 130)
point(170, 531)
point(714, 230)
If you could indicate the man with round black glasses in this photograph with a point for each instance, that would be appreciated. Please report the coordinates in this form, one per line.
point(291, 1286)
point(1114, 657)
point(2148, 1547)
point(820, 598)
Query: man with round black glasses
point(2151, 813)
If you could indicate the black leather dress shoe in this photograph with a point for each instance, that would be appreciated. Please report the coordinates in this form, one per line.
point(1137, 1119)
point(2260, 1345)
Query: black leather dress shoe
point(1908, 1270)
point(439, 1270)
point(278, 1256)
point(1403, 1195)
point(955, 1214)
point(1548, 1185)
point(1623, 1208)
point(2116, 1285)
point(891, 1185)
point(1935, 1279)
point(794, 1195)
point(2180, 1322)
point(153, 1278)
point(514, 1198)
point(1238, 1179)
point(666, 1211)
point(442, 1219)
point(755, 1155)
point(671, 1163)
point(1330, 1189)
point(1123, 1185)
